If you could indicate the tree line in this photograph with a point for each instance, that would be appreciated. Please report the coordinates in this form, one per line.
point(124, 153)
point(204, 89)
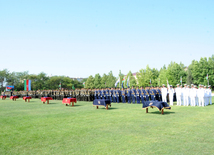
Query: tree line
point(38, 82)
point(196, 73)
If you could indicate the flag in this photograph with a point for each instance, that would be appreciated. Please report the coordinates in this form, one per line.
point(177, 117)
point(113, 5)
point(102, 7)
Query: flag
point(83, 83)
point(207, 77)
point(117, 82)
point(60, 85)
point(150, 82)
point(181, 80)
point(122, 84)
point(27, 85)
point(128, 82)
point(73, 87)
point(168, 84)
point(123, 80)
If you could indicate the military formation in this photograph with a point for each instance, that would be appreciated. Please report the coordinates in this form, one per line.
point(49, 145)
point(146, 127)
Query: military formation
point(79, 94)
point(185, 96)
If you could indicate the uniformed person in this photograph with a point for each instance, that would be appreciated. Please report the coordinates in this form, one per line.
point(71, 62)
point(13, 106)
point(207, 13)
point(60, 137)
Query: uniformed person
point(123, 94)
point(128, 94)
point(138, 95)
point(133, 94)
point(142, 95)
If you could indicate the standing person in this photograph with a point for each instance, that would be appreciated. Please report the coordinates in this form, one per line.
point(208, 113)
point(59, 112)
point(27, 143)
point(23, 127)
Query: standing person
point(138, 95)
point(192, 95)
point(102, 94)
point(111, 92)
point(95, 94)
point(206, 95)
point(123, 94)
point(142, 94)
point(209, 95)
point(128, 93)
point(182, 95)
point(118, 95)
point(178, 95)
point(114, 95)
point(99, 93)
point(185, 93)
point(201, 95)
point(196, 95)
point(133, 92)
point(171, 93)
point(107, 93)
point(152, 93)
point(164, 93)
point(158, 94)
point(147, 94)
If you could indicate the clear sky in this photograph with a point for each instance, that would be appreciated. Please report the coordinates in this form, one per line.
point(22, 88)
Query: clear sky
point(78, 38)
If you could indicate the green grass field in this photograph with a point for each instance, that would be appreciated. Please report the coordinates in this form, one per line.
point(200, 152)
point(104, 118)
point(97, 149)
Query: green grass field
point(36, 128)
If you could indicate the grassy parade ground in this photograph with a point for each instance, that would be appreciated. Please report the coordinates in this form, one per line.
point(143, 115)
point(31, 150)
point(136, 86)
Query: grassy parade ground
point(36, 128)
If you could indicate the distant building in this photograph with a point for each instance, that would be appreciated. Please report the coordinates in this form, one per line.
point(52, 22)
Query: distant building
point(77, 78)
point(134, 74)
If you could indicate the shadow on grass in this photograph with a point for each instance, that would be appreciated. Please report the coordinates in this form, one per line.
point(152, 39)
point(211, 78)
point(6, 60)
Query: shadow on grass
point(110, 108)
point(159, 113)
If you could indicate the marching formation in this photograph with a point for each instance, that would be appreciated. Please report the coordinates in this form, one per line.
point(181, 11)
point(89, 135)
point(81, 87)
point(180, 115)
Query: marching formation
point(185, 96)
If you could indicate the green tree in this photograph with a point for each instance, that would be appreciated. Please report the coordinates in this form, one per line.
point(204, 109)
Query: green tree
point(110, 80)
point(90, 82)
point(97, 81)
point(132, 80)
point(104, 80)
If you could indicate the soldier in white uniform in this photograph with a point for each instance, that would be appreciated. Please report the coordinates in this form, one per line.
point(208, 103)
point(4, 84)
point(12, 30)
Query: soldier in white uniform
point(185, 94)
point(196, 95)
point(164, 93)
point(192, 95)
point(182, 95)
point(178, 95)
point(210, 94)
point(205, 96)
point(171, 93)
point(201, 96)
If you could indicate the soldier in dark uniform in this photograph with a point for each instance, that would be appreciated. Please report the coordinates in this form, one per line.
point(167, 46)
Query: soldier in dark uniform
point(123, 94)
point(110, 94)
point(142, 95)
point(128, 94)
point(138, 95)
point(114, 95)
point(118, 95)
point(147, 94)
point(133, 95)
point(152, 93)
point(102, 94)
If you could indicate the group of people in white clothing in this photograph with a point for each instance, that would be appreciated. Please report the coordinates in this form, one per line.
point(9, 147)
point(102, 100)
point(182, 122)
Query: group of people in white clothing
point(186, 96)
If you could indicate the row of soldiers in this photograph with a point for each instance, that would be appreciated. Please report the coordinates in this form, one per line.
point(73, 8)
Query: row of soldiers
point(114, 94)
point(184, 96)
point(79, 94)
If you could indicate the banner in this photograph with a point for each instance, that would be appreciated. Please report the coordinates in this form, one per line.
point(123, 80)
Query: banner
point(9, 88)
point(27, 85)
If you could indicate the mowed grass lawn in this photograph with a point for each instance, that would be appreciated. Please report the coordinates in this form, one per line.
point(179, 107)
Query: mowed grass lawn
point(36, 128)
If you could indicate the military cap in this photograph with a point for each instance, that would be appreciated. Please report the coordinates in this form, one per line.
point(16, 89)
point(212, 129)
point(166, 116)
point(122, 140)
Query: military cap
point(185, 84)
point(177, 84)
point(163, 85)
point(209, 86)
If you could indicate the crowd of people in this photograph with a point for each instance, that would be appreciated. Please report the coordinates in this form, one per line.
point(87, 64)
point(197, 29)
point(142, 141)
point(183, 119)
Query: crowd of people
point(185, 96)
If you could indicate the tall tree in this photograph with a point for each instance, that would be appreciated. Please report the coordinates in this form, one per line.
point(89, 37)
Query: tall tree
point(104, 80)
point(110, 80)
point(90, 82)
point(97, 81)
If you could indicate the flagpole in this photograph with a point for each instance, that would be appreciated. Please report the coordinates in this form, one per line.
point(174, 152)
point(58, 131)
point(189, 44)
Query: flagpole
point(208, 79)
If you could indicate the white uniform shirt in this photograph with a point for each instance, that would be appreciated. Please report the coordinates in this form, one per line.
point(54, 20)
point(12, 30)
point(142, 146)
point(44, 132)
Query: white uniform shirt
point(164, 91)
